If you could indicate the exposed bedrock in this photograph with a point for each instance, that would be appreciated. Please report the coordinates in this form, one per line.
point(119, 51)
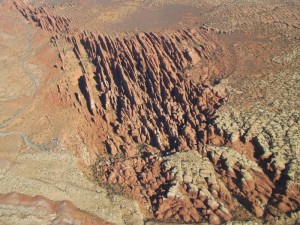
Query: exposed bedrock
point(40, 210)
point(42, 18)
point(140, 85)
point(141, 80)
point(158, 131)
point(180, 187)
point(273, 128)
point(190, 187)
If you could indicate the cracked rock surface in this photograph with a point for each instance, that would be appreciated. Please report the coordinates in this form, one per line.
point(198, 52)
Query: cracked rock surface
point(196, 125)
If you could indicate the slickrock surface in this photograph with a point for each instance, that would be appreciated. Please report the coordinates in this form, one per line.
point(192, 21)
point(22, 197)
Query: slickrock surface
point(273, 128)
point(155, 119)
point(179, 186)
point(38, 210)
point(145, 98)
point(266, 16)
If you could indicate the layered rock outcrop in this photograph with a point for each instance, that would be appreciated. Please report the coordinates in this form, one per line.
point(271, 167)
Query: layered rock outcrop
point(42, 18)
point(143, 88)
point(179, 187)
point(273, 128)
point(142, 82)
point(160, 131)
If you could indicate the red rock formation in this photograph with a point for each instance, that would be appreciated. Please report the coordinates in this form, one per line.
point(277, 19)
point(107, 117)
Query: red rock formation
point(153, 179)
point(42, 18)
point(149, 109)
point(286, 197)
point(141, 78)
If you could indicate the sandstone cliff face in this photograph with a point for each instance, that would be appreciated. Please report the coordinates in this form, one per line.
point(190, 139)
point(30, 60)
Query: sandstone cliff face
point(161, 131)
point(141, 83)
point(144, 91)
point(42, 18)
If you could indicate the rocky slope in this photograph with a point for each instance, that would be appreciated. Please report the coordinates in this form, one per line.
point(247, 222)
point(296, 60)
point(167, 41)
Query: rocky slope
point(143, 93)
point(42, 18)
point(273, 128)
point(160, 135)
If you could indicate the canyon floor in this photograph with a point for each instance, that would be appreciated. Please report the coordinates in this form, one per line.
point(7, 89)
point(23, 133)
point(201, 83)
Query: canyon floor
point(149, 112)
